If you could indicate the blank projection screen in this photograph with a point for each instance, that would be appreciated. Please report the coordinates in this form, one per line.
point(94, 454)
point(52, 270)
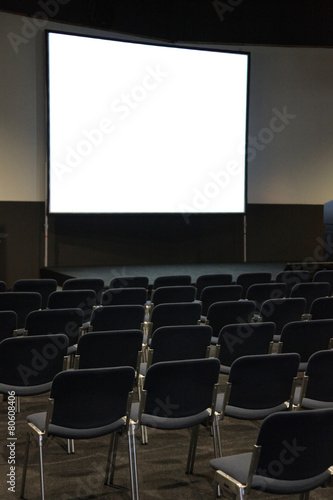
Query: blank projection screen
point(145, 128)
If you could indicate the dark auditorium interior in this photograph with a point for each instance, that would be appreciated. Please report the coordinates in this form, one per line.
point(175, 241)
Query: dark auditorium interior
point(229, 276)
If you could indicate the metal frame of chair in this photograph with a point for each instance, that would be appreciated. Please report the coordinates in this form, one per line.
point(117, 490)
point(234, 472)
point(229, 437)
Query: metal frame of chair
point(87, 404)
point(178, 395)
point(257, 386)
point(292, 454)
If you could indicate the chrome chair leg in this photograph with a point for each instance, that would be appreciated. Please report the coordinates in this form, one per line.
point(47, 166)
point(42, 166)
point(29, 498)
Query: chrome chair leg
point(70, 446)
point(216, 438)
point(40, 446)
point(192, 449)
point(144, 434)
point(133, 462)
point(111, 461)
point(25, 464)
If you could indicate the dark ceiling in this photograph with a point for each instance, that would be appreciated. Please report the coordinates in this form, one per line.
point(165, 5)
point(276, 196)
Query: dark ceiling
point(269, 22)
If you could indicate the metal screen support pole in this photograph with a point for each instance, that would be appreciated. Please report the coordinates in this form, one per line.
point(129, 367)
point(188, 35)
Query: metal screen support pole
point(46, 234)
point(244, 235)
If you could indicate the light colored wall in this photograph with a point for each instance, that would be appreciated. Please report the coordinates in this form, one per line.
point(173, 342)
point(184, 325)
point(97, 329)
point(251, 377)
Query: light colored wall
point(290, 160)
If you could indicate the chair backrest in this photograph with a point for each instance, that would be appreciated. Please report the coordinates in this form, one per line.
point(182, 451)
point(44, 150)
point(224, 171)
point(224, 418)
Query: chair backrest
point(181, 313)
point(180, 293)
point(262, 381)
point(325, 275)
point(244, 339)
point(122, 317)
point(44, 286)
point(124, 296)
point(27, 362)
point(306, 337)
point(180, 388)
point(320, 377)
point(310, 291)
point(224, 313)
point(259, 292)
point(172, 280)
point(219, 293)
point(170, 343)
point(322, 308)
point(282, 311)
point(129, 282)
point(295, 445)
point(292, 277)
point(92, 398)
point(250, 278)
point(96, 284)
point(20, 302)
point(48, 321)
point(109, 348)
point(82, 299)
point(8, 323)
point(3, 286)
point(216, 279)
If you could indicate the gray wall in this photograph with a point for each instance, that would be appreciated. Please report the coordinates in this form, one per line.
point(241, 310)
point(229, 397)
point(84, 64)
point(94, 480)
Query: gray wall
point(290, 157)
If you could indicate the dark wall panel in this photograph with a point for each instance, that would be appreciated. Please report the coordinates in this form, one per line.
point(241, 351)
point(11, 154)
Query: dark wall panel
point(144, 239)
point(22, 251)
point(275, 233)
point(284, 232)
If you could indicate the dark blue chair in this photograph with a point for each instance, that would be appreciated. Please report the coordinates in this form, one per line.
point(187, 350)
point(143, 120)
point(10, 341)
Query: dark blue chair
point(87, 404)
point(292, 455)
point(215, 279)
point(257, 386)
point(44, 286)
point(179, 395)
point(243, 339)
point(317, 384)
point(306, 338)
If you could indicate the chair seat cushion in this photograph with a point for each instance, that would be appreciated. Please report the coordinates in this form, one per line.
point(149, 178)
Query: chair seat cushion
point(311, 404)
point(38, 420)
point(168, 423)
point(237, 466)
point(247, 413)
point(26, 390)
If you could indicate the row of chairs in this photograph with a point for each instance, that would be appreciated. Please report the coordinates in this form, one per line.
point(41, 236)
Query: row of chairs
point(73, 295)
point(276, 314)
point(245, 280)
point(124, 346)
point(88, 403)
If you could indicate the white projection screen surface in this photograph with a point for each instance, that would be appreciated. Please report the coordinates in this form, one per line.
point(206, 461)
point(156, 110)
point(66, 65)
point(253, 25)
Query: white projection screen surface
point(144, 128)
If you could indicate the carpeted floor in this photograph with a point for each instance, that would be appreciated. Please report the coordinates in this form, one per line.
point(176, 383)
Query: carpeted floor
point(161, 463)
